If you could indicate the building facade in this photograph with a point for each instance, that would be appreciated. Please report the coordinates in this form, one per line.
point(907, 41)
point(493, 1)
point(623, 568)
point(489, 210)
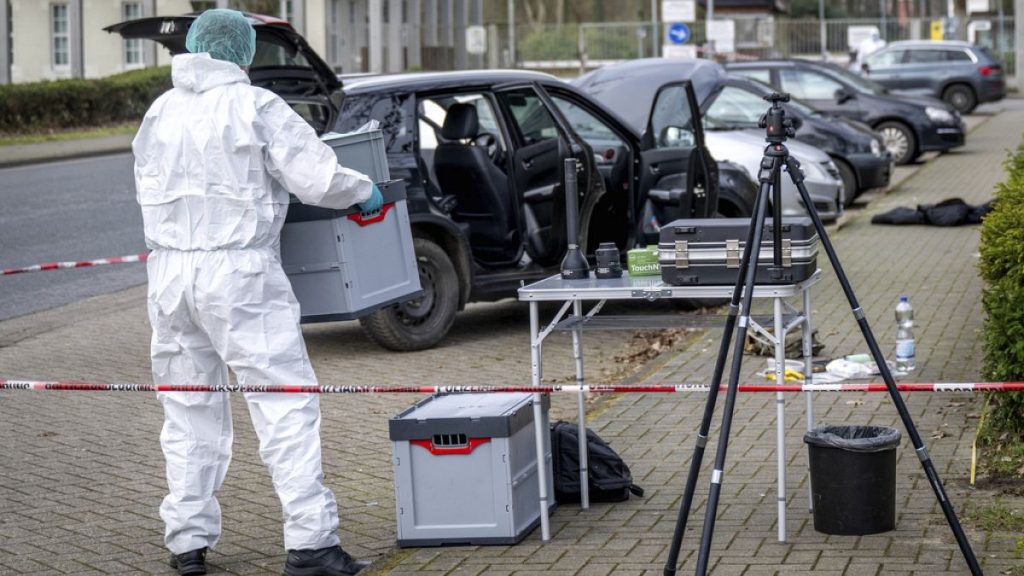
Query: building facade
point(49, 40)
point(55, 39)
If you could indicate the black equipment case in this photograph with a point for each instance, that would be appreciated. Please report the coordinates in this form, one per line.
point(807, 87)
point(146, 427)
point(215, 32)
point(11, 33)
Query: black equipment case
point(707, 252)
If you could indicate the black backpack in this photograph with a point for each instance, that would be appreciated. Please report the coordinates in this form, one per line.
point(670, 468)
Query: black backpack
point(610, 478)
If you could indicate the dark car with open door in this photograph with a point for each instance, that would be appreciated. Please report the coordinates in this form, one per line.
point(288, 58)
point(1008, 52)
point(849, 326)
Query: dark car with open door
point(909, 125)
point(481, 154)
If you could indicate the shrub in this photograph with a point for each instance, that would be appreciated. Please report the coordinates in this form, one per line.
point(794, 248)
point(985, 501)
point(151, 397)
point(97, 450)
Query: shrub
point(1002, 267)
point(60, 104)
point(550, 43)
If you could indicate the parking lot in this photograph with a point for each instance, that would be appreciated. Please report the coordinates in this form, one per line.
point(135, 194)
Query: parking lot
point(82, 475)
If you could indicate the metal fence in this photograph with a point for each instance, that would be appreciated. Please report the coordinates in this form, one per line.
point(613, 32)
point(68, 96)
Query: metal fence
point(573, 48)
point(803, 37)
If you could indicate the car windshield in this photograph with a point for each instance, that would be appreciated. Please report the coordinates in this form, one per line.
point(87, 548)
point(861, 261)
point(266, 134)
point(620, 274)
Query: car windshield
point(274, 52)
point(799, 107)
point(859, 83)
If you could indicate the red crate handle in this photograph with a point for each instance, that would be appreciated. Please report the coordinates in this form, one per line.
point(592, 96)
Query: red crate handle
point(358, 218)
point(447, 450)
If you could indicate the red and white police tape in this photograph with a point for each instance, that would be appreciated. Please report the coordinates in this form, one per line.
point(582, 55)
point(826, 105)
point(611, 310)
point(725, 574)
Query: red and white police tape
point(37, 385)
point(76, 264)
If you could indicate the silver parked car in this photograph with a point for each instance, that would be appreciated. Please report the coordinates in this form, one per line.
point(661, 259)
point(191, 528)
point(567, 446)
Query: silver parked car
point(821, 176)
point(962, 74)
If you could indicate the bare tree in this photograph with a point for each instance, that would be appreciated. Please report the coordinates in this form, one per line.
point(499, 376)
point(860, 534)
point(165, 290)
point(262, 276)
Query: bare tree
point(536, 13)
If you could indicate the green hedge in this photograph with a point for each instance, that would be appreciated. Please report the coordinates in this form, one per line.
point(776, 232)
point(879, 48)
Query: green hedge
point(1002, 267)
point(61, 104)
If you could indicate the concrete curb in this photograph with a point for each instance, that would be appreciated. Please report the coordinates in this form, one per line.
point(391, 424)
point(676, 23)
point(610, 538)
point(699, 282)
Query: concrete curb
point(19, 155)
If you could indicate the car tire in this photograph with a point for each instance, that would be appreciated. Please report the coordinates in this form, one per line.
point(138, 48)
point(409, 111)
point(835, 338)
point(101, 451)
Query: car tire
point(732, 208)
point(961, 97)
point(849, 178)
point(898, 139)
point(420, 323)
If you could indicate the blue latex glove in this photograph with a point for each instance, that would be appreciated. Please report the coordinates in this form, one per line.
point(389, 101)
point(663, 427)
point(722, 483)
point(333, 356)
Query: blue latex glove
point(374, 203)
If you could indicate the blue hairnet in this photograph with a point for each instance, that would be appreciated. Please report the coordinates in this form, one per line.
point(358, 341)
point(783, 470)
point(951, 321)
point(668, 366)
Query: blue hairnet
point(225, 34)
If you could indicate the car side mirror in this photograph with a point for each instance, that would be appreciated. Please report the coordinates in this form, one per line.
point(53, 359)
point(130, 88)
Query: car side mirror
point(842, 96)
point(675, 137)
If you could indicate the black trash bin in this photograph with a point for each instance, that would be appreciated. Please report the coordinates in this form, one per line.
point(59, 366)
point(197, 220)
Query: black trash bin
point(853, 478)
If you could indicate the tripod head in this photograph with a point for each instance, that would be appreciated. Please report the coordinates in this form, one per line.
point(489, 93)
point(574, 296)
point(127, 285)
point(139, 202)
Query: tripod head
point(775, 122)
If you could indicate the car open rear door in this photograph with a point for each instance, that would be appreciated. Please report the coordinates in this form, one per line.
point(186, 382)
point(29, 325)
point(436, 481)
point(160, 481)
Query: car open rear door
point(542, 142)
point(677, 177)
point(284, 63)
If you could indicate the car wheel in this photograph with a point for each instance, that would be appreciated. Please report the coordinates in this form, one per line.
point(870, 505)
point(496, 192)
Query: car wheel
point(961, 97)
point(849, 182)
point(728, 208)
point(420, 323)
point(898, 139)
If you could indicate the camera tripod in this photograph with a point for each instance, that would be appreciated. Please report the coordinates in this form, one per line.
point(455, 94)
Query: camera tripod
point(776, 156)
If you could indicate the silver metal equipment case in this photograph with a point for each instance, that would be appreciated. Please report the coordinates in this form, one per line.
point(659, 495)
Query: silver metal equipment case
point(708, 251)
point(466, 469)
point(343, 264)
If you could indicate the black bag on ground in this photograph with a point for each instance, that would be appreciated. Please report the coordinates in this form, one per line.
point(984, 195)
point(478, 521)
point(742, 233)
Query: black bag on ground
point(952, 212)
point(899, 216)
point(610, 478)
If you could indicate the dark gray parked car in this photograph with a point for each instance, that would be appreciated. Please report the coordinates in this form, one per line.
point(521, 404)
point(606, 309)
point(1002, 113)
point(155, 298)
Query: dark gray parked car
point(909, 125)
point(962, 74)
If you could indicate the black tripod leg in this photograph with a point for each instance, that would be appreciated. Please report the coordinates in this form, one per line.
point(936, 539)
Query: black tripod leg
point(753, 251)
point(876, 353)
point(709, 404)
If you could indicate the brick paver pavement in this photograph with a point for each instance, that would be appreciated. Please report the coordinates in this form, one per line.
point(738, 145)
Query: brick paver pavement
point(82, 474)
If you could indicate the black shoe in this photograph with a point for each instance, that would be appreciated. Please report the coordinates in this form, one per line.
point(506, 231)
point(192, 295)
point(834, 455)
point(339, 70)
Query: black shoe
point(331, 561)
point(189, 563)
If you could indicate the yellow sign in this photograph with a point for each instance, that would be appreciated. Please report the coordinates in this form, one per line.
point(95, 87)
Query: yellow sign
point(937, 30)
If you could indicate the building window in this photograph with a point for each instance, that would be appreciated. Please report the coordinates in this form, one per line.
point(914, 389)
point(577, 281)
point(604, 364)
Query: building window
point(133, 46)
point(60, 35)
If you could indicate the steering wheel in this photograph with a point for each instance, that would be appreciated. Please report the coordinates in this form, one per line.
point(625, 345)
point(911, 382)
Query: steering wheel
point(487, 141)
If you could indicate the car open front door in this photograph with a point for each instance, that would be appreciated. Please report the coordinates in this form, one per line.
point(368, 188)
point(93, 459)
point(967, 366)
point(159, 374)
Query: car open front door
point(541, 144)
point(675, 166)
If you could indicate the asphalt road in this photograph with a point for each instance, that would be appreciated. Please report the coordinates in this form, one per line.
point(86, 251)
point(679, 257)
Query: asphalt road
point(70, 210)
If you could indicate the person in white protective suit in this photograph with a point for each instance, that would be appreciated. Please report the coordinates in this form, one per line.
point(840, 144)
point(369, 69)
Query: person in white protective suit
point(215, 159)
point(868, 46)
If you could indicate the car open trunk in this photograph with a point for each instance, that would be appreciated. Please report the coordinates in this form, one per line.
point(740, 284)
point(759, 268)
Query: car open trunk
point(284, 63)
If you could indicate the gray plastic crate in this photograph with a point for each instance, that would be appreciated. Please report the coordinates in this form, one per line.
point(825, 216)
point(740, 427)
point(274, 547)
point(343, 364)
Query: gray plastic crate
point(363, 152)
point(466, 469)
point(344, 265)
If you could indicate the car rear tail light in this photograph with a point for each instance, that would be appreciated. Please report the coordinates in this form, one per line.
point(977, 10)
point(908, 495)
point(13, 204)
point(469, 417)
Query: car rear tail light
point(989, 70)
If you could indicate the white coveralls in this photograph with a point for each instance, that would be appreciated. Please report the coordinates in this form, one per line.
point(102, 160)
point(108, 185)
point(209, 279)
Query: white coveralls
point(215, 159)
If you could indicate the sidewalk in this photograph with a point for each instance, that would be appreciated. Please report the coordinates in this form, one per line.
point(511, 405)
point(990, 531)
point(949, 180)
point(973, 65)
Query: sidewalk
point(15, 155)
point(82, 474)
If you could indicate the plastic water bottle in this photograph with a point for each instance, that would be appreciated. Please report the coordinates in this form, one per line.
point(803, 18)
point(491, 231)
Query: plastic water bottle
point(906, 359)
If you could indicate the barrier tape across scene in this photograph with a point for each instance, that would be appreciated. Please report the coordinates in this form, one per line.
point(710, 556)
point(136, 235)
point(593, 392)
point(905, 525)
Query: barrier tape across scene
point(75, 386)
point(76, 264)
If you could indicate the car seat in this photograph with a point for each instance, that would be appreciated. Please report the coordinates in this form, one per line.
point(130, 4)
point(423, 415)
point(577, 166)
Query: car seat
point(480, 188)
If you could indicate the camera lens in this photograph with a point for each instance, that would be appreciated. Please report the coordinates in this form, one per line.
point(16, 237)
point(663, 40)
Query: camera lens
point(609, 264)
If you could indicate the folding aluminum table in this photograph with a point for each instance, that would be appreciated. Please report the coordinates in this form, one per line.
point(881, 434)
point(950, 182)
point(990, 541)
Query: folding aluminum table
point(572, 293)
